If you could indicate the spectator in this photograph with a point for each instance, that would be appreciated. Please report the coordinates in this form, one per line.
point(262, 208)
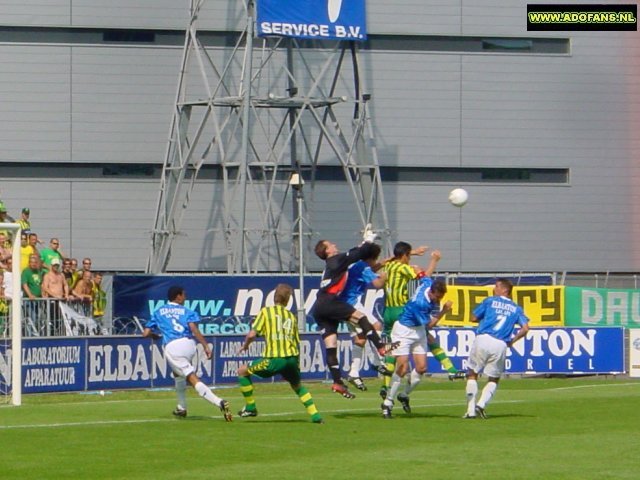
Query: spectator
point(26, 250)
point(54, 284)
point(83, 290)
point(78, 274)
point(32, 278)
point(8, 279)
point(99, 297)
point(4, 306)
point(48, 254)
point(5, 250)
point(33, 241)
point(74, 269)
point(3, 217)
point(24, 222)
point(54, 287)
point(67, 272)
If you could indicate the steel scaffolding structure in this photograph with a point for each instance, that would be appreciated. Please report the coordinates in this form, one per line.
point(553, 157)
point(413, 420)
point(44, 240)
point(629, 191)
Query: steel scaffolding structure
point(260, 113)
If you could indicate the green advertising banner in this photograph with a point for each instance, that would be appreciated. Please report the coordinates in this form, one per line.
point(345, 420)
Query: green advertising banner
point(602, 307)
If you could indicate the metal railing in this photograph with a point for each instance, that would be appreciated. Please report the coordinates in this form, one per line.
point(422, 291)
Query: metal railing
point(49, 317)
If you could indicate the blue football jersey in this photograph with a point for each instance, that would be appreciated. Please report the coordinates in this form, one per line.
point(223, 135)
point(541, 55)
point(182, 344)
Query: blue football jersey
point(498, 317)
point(173, 321)
point(360, 275)
point(419, 309)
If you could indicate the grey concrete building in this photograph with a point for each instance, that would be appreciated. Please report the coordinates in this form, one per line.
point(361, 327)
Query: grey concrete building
point(540, 127)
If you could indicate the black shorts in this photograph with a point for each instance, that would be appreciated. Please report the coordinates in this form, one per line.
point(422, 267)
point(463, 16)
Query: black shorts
point(328, 312)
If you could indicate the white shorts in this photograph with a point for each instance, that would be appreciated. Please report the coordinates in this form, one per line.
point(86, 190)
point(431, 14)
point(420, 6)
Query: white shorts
point(413, 340)
point(355, 329)
point(180, 354)
point(488, 354)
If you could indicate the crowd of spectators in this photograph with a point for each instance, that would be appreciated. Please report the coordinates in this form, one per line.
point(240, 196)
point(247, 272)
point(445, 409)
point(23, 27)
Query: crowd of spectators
point(46, 274)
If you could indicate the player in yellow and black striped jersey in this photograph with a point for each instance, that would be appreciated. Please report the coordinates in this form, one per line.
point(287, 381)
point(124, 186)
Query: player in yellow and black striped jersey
point(399, 280)
point(279, 327)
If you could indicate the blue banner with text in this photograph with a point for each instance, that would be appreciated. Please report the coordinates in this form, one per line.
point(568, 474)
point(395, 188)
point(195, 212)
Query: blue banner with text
point(100, 363)
point(227, 304)
point(313, 19)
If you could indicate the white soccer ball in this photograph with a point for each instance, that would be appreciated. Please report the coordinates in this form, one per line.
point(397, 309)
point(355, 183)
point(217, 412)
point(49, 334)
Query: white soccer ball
point(458, 197)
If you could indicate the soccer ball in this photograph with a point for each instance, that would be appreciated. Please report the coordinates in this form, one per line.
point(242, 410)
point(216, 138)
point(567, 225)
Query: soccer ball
point(458, 197)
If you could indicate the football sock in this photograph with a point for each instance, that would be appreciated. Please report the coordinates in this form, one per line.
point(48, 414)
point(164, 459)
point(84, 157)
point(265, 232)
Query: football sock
point(363, 323)
point(357, 353)
point(371, 334)
point(375, 359)
point(207, 394)
point(441, 356)
point(414, 381)
point(246, 388)
point(307, 400)
point(487, 394)
point(181, 388)
point(472, 391)
point(390, 363)
point(395, 386)
point(332, 363)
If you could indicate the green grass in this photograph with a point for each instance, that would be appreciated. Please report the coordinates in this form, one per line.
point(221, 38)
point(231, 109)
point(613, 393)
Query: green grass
point(579, 428)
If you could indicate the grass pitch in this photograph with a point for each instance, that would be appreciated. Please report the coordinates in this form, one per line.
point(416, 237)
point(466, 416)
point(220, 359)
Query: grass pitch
point(574, 428)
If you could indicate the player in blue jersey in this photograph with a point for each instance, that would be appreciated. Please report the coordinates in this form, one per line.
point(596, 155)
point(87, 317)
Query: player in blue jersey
point(421, 313)
point(177, 326)
point(361, 275)
point(498, 316)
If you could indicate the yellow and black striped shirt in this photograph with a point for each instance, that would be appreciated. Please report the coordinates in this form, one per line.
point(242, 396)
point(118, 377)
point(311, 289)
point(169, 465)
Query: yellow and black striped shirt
point(395, 288)
point(279, 327)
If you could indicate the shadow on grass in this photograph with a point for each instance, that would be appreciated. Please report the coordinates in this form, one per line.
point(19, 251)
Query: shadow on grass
point(236, 419)
point(263, 420)
point(423, 415)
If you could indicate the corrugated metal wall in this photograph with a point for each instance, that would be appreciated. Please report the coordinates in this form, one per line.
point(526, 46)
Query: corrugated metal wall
point(88, 104)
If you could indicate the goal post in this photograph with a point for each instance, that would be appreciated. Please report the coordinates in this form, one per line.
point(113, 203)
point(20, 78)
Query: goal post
point(16, 315)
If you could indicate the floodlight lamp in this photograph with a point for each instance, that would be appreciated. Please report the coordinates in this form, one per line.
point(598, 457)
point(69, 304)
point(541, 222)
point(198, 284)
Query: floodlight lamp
point(296, 181)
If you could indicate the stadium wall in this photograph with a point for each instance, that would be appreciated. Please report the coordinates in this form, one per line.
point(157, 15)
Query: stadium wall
point(72, 103)
point(101, 363)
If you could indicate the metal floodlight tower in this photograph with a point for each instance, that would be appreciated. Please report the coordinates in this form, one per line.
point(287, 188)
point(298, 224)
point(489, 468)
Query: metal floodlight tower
point(259, 115)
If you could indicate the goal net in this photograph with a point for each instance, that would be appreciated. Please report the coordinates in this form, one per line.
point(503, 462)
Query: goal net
point(11, 324)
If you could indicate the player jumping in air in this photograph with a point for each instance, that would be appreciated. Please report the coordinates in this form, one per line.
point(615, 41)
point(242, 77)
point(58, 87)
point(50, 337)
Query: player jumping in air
point(361, 275)
point(399, 274)
point(328, 310)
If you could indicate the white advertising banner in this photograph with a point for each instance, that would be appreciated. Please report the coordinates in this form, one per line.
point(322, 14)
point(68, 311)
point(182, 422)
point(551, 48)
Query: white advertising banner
point(634, 352)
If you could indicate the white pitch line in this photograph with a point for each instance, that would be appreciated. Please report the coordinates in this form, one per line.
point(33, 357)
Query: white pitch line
point(83, 424)
point(594, 386)
point(163, 420)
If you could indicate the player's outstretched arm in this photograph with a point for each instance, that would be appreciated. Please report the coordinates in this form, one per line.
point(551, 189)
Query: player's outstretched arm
point(433, 263)
point(421, 250)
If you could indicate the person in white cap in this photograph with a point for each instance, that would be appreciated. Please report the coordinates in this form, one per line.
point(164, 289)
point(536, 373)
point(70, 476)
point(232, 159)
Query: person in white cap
point(54, 284)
